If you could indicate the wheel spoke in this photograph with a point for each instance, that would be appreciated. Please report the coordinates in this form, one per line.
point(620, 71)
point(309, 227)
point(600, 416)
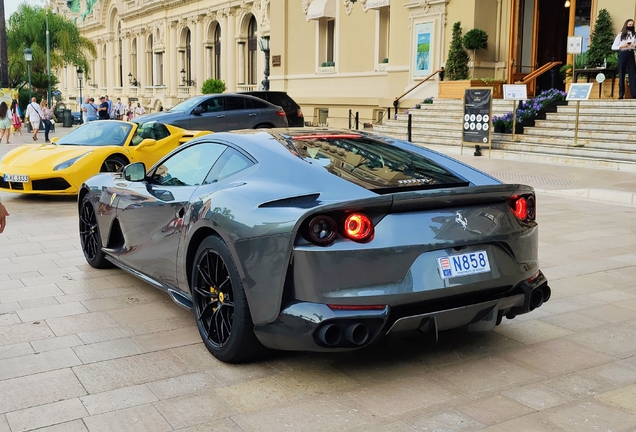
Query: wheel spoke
point(203, 293)
point(206, 276)
point(227, 279)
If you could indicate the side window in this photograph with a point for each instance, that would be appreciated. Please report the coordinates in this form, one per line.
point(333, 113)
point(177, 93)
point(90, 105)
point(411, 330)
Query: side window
point(229, 163)
point(233, 103)
point(152, 130)
point(212, 105)
point(251, 104)
point(189, 167)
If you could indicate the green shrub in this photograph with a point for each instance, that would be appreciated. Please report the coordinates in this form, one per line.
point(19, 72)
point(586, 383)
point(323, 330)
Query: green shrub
point(457, 62)
point(602, 39)
point(213, 86)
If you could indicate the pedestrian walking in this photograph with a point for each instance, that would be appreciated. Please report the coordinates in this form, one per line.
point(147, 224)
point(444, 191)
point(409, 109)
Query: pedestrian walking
point(5, 121)
point(16, 117)
point(119, 110)
point(139, 110)
point(103, 109)
point(34, 114)
point(3, 216)
point(47, 116)
point(130, 111)
point(624, 43)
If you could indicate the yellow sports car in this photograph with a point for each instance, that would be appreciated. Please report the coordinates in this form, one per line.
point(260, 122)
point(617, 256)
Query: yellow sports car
point(100, 146)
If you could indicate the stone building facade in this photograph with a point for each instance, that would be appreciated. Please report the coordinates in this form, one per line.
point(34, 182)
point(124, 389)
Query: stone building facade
point(339, 55)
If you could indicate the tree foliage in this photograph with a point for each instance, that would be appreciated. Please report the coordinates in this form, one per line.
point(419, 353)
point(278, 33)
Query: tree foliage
point(602, 40)
point(475, 39)
point(26, 29)
point(213, 86)
point(457, 63)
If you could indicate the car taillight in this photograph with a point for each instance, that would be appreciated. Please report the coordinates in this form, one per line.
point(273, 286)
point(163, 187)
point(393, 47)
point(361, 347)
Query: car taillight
point(281, 113)
point(299, 113)
point(322, 230)
point(523, 207)
point(358, 227)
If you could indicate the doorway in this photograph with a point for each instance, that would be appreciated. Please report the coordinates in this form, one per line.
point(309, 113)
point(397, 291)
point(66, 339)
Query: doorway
point(539, 32)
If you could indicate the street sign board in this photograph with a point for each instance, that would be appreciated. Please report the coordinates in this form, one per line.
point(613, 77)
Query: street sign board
point(515, 91)
point(575, 44)
point(477, 115)
point(579, 91)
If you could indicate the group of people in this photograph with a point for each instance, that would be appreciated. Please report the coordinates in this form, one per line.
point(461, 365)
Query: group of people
point(106, 109)
point(35, 113)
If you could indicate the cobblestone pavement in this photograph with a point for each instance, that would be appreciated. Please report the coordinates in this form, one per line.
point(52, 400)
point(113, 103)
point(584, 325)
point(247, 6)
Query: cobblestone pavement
point(82, 349)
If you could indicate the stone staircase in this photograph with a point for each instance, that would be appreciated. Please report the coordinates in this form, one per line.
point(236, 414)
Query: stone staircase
point(606, 136)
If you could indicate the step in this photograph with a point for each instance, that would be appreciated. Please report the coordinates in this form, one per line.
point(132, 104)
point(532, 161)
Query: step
point(610, 136)
point(571, 109)
point(592, 143)
point(567, 151)
point(599, 127)
point(591, 118)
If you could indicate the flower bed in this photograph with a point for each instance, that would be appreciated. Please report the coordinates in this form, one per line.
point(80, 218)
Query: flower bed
point(529, 111)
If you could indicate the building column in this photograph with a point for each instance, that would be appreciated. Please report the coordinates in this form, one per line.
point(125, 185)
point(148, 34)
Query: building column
point(125, 63)
point(109, 82)
point(241, 62)
point(173, 66)
point(230, 52)
point(199, 52)
point(141, 62)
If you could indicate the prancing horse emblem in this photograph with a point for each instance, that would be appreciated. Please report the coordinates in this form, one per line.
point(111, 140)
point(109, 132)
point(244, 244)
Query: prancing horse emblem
point(461, 220)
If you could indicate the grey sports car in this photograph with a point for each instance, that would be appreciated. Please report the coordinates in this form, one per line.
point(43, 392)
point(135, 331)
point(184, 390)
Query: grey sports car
point(318, 240)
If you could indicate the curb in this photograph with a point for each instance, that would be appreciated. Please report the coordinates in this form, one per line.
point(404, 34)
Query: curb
point(601, 195)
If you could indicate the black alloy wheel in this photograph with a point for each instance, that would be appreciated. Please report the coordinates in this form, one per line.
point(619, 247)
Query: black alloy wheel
point(90, 238)
point(113, 164)
point(220, 306)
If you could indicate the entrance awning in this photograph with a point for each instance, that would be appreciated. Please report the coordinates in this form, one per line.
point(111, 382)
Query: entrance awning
point(321, 9)
point(377, 4)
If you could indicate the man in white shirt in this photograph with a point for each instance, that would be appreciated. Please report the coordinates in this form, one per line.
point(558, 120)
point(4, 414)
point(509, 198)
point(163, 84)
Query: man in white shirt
point(119, 110)
point(139, 110)
point(35, 115)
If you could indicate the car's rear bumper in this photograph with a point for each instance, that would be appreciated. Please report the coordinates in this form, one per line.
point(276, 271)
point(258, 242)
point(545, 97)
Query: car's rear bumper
point(310, 326)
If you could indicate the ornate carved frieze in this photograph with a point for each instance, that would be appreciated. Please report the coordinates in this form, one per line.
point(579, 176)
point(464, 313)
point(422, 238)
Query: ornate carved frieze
point(348, 5)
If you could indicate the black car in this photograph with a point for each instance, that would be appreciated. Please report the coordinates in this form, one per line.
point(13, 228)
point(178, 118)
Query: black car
point(295, 116)
point(77, 117)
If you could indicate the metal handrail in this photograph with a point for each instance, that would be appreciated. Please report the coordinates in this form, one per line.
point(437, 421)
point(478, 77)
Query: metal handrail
point(538, 72)
point(396, 102)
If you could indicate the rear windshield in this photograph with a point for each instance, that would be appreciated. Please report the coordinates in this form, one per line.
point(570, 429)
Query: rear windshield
point(374, 165)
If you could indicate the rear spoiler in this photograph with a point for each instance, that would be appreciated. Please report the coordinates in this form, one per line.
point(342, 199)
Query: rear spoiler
point(189, 135)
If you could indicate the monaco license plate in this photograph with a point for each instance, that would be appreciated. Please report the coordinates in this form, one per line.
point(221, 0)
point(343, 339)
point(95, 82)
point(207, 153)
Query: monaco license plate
point(463, 264)
point(16, 178)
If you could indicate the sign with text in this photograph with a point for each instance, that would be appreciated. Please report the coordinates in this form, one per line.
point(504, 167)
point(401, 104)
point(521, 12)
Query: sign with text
point(276, 61)
point(579, 91)
point(515, 92)
point(477, 115)
point(575, 44)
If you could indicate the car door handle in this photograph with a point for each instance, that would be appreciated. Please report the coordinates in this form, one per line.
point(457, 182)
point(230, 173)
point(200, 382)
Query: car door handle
point(220, 116)
point(253, 114)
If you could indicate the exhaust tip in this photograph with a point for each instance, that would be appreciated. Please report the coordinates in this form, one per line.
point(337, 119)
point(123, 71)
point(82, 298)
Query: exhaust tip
point(330, 334)
point(547, 292)
point(357, 334)
point(536, 299)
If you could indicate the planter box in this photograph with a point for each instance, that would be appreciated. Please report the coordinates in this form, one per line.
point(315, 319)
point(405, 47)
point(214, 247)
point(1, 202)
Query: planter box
point(455, 89)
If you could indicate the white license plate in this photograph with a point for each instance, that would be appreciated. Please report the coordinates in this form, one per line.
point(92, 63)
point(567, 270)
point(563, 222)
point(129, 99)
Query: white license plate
point(463, 264)
point(16, 178)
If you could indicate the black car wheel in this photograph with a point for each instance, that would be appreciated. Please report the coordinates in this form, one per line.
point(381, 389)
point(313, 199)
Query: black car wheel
point(90, 237)
point(220, 307)
point(113, 164)
point(263, 126)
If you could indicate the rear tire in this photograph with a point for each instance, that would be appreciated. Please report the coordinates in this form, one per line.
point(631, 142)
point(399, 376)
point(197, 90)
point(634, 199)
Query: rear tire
point(263, 126)
point(220, 307)
point(90, 236)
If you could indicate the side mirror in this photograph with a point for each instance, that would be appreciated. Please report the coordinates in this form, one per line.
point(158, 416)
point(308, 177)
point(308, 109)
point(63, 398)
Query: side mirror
point(135, 172)
point(54, 139)
point(147, 142)
point(197, 111)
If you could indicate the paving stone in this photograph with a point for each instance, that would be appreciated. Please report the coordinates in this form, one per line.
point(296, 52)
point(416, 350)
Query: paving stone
point(183, 385)
point(114, 400)
point(190, 410)
point(256, 394)
point(46, 415)
point(38, 362)
point(143, 418)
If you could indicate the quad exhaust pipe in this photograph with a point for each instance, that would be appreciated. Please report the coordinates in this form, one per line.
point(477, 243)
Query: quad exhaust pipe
point(331, 334)
point(539, 296)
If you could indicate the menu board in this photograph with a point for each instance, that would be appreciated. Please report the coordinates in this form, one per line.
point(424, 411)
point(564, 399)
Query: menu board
point(477, 115)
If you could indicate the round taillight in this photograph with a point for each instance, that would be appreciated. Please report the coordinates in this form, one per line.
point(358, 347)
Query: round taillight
point(322, 230)
point(358, 227)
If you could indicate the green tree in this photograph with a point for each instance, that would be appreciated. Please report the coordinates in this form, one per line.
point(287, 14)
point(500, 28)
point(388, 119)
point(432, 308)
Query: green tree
point(26, 29)
point(602, 39)
point(4, 60)
point(457, 63)
point(213, 86)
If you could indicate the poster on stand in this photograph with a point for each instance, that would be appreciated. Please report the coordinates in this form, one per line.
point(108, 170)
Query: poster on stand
point(477, 116)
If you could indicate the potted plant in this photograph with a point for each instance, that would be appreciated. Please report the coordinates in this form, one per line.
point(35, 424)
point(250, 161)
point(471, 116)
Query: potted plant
point(601, 41)
point(473, 40)
point(456, 70)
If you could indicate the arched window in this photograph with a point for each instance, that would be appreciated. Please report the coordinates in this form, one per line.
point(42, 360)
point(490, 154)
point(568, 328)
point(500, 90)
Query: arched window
point(252, 51)
point(217, 52)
